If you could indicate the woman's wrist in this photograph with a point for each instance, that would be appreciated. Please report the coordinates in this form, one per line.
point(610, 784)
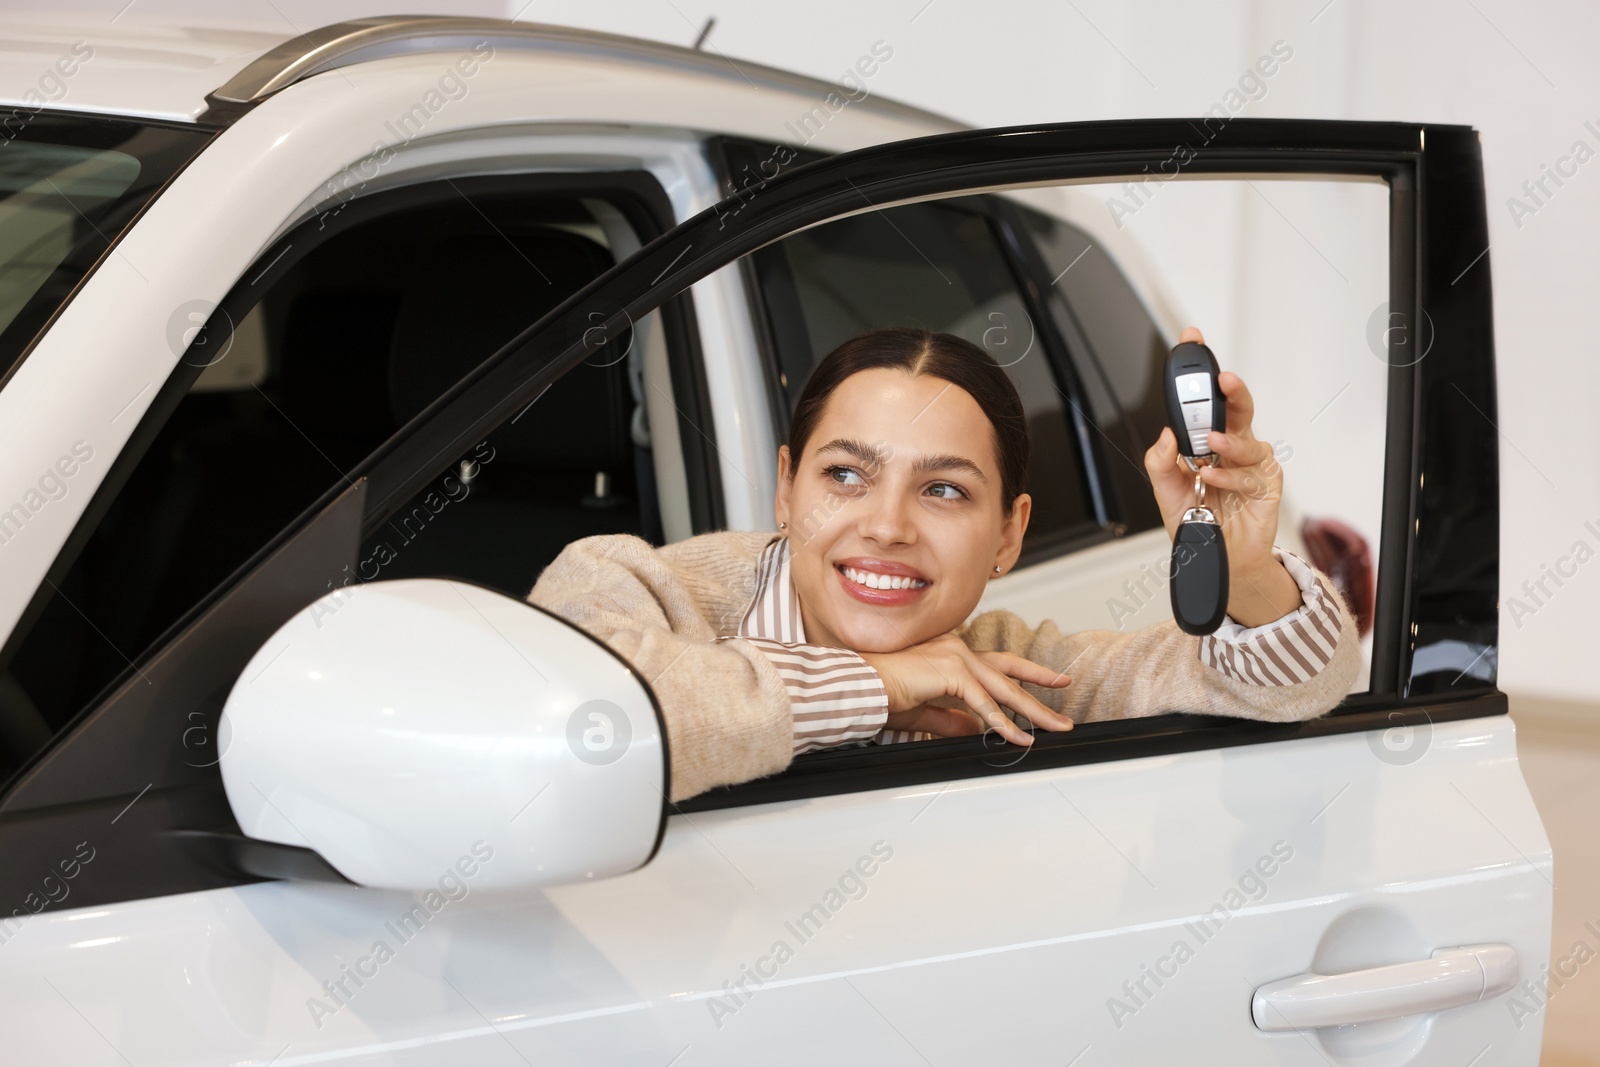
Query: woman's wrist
point(1267, 595)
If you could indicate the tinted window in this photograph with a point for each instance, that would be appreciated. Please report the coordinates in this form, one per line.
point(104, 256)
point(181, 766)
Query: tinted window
point(1125, 350)
point(68, 187)
point(939, 267)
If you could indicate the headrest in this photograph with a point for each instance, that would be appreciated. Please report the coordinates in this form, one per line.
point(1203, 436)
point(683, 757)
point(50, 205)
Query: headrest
point(470, 294)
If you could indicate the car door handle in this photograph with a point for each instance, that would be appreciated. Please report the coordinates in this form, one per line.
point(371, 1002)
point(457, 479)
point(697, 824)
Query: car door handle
point(1451, 978)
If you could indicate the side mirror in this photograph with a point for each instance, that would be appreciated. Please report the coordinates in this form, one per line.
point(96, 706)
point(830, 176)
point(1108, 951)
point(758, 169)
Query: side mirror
point(407, 730)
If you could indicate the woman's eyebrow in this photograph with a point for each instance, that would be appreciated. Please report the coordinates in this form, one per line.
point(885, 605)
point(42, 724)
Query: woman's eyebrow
point(927, 463)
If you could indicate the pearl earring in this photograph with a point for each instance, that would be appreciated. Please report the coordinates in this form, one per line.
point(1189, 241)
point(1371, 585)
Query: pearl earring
point(783, 526)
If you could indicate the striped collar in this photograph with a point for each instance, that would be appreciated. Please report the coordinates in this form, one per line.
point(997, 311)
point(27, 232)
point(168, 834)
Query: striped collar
point(775, 612)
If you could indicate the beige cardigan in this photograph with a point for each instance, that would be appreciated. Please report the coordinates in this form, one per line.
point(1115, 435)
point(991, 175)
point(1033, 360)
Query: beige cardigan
point(727, 709)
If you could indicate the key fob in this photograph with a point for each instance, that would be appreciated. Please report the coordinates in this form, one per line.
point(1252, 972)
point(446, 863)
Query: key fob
point(1199, 576)
point(1195, 404)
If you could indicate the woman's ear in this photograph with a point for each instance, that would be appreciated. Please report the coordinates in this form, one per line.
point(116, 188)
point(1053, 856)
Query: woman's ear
point(1011, 530)
point(780, 500)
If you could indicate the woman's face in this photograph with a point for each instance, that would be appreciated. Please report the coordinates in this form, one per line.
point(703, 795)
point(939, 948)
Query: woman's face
point(894, 512)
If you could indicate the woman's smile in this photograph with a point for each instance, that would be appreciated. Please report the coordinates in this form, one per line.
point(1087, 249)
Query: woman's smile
point(880, 582)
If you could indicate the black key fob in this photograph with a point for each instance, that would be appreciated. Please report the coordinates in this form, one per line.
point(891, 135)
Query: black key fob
point(1195, 404)
point(1198, 577)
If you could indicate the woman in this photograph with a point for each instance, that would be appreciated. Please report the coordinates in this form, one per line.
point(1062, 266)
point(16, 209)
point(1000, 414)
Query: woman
point(899, 495)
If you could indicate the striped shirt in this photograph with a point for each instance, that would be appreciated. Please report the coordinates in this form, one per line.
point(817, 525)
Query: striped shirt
point(838, 699)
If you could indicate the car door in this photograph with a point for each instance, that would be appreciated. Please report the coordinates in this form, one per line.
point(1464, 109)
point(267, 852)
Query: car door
point(1117, 895)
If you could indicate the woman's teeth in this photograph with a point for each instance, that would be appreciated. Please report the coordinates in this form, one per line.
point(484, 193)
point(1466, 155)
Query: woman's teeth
point(873, 580)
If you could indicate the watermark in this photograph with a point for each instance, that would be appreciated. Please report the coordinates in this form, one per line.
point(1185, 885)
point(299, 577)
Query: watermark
point(53, 889)
point(1537, 592)
point(1533, 994)
point(1250, 887)
point(190, 340)
point(450, 86)
point(851, 88)
point(1537, 192)
point(851, 885)
point(406, 527)
point(1402, 743)
point(49, 88)
point(1391, 338)
point(53, 484)
point(598, 732)
point(407, 927)
point(1251, 87)
point(1007, 345)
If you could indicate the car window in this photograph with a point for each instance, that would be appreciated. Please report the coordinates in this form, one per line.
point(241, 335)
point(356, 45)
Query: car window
point(941, 267)
point(350, 342)
point(69, 185)
point(1121, 348)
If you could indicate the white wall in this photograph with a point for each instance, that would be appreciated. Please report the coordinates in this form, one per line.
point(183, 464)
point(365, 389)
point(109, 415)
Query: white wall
point(1523, 74)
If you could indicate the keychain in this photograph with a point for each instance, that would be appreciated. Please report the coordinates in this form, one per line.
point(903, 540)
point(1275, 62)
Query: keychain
point(1199, 572)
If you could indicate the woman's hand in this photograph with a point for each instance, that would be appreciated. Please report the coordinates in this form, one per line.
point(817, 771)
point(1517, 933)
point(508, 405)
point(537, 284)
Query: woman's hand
point(984, 681)
point(1244, 494)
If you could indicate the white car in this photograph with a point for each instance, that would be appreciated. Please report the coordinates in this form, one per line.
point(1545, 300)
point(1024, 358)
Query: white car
point(313, 352)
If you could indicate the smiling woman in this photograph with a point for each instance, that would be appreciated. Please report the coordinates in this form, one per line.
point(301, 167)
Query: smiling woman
point(900, 495)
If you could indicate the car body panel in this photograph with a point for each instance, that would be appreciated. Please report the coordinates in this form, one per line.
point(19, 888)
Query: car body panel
point(1070, 879)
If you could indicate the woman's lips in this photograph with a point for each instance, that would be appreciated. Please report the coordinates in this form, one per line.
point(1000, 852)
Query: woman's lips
point(858, 577)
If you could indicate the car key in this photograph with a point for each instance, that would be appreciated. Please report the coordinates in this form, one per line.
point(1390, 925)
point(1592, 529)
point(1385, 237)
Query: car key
point(1198, 577)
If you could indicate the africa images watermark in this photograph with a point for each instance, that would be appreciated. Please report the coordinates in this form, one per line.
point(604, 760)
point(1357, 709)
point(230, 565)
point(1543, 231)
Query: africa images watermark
point(1531, 997)
point(851, 885)
point(53, 889)
point(1537, 592)
point(53, 484)
point(49, 88)
point(851, 89)
point(451, 86)
point(404, 929)
point(1251, 87)
point(1250, 887)
point(1537, 192)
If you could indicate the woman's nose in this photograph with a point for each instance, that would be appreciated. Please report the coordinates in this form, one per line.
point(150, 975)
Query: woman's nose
point(887, 517)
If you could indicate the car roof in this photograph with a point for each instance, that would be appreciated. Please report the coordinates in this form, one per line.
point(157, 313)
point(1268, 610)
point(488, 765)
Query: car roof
point(189, 69)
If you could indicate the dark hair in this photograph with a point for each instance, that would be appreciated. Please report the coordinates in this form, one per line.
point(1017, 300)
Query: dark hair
point(940, 355)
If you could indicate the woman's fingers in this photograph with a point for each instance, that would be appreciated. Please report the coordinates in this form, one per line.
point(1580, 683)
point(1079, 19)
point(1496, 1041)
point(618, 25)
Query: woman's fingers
point(1241, 405)
point(1248, 482)
point(981, 704)
point(1026, 670)
point(1239, 451)
point(1018, 699)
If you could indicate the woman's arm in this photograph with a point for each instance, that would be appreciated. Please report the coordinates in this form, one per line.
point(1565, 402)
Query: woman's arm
point(1296, 667)
point(726, 705)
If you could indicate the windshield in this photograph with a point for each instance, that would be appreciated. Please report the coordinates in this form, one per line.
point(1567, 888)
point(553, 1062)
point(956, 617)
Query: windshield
point(69, 187)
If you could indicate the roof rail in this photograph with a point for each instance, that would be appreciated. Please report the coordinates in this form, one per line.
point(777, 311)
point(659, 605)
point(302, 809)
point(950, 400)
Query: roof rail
point(344, 44)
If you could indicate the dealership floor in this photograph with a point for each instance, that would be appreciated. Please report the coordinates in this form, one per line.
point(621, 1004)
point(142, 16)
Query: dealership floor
point(1560, 756)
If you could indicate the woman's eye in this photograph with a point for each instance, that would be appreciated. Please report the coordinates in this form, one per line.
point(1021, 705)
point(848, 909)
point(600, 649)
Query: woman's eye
point(845, 477)
point(947, 490)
